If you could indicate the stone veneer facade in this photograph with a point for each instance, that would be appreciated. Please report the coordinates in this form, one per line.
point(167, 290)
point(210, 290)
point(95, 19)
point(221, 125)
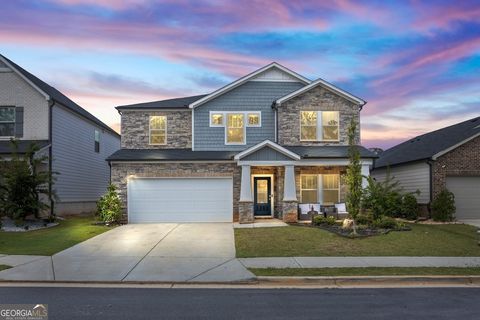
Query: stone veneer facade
point(462, 161)
point(135, 129)
point(316, 99)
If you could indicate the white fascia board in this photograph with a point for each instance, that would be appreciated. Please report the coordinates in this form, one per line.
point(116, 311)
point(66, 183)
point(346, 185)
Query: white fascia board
point(325, 84)
point(244, 79)
point(270, 144)
point(441, 153)
point(47, 97)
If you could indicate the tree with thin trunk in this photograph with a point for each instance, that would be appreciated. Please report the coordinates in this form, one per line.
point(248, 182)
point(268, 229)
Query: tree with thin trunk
point(354, 176)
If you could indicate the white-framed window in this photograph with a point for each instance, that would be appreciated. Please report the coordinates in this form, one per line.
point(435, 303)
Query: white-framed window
point(216, 119)
point(320, 188)
point(235, 130)
point(254, 119)
point(7, 121)
point(309, 188)
point(319, 125)
point(158, 130)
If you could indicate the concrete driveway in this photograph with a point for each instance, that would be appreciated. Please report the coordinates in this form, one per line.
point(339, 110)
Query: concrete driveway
point(197, 252)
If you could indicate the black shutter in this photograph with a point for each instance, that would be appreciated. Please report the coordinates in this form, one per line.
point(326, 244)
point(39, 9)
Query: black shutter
point(18, 122)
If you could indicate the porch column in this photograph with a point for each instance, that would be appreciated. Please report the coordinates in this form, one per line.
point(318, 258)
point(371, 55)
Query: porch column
point(289, 189)
point(245, 185)
point(365, 173)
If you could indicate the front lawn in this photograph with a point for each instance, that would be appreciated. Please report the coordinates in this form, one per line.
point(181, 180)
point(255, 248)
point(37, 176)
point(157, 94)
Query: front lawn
point(391, 271)
point(296, 241)
point(4, 267)
point(46, 242)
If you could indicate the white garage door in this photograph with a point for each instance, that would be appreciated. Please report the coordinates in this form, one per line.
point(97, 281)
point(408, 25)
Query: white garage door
point(180, 200)
point(467, 196)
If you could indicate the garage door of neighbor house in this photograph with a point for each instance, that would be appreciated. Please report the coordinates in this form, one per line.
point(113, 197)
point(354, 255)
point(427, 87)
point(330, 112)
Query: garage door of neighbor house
point(180, 200)
point(467, 196)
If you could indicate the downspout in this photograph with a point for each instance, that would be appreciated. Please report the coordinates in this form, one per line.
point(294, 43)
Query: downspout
point(430, 165)
point(275, 110)
point(51, 103)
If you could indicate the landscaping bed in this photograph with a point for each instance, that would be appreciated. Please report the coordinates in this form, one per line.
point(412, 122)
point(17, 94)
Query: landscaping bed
point(448, 240)
point(49, 241)
point(370, 271)
point(9, 225)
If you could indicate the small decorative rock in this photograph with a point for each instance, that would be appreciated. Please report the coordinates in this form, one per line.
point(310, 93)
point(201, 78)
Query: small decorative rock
point(347, 224)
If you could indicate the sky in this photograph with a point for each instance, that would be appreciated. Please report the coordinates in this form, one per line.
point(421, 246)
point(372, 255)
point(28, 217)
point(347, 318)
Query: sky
point(417, 63)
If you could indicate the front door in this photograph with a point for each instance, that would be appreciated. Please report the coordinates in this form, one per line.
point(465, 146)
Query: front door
point(262, 190)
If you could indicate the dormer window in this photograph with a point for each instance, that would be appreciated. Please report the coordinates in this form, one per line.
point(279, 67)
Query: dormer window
point(319, 125)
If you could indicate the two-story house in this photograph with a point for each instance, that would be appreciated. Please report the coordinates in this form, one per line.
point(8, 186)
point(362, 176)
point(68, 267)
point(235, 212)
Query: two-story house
point(75, 142)
point(256, 147)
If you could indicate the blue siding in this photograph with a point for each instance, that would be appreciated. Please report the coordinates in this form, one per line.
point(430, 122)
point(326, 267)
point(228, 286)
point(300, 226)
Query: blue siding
point(251, 96)
point(266, 154)
point(83, 173)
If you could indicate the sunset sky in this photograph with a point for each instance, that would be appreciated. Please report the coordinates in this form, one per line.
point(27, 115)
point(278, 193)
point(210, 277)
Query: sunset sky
point(417, 64)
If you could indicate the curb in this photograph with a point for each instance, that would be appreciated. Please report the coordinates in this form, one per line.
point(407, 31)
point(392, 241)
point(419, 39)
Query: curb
point(371, 281)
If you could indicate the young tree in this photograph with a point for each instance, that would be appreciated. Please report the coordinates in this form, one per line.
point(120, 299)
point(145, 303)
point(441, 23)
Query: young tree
point(109, 207)
point(22, 183)
point(354, 176)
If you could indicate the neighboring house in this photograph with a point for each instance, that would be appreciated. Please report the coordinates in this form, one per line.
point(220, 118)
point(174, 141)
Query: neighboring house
point(447, 158)
point(254, 148)
point(75, 141)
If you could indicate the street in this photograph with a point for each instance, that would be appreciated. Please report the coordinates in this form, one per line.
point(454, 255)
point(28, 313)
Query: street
point(154, 303)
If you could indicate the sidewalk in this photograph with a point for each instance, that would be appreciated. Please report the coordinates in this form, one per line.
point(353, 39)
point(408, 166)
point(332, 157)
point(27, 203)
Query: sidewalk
point(358, 262)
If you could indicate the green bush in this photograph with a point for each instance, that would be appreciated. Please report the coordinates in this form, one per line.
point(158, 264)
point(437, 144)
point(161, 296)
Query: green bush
point(109, 206)
point(363, 219)
point(382, 197)
point(318, 220)
point(409, 207)
point(385, 222)
point(443, 206)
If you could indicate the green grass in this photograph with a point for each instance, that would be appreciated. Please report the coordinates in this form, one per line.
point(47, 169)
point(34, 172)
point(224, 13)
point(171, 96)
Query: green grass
point(423, 240)
point(49, 241)
point(330, 272)
point(4, 267)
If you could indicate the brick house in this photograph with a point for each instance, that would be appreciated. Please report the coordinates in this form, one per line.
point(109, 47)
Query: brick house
point(255, 148)
point(448, 158)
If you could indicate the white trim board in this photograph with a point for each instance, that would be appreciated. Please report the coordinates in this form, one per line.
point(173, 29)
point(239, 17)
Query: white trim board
point(326, 85)
point(246, 78)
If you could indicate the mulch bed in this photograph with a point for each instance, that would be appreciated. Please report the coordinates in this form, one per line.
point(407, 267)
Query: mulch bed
point(347, 233)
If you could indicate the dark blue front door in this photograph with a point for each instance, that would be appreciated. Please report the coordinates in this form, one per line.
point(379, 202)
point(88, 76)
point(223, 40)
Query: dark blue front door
point(262, 190)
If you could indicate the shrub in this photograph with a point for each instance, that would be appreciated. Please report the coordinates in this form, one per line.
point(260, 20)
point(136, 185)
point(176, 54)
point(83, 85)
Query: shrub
point(385, 223)
point(109, 206)
point(409, 207)
point(382, 197)
point(443, 206)
point(318, 220)
point(364, 219)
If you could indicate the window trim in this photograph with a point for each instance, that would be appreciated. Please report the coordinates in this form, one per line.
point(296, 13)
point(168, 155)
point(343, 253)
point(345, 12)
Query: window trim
point(320, 187)
point(319, 137)
point(244, 130)
point(14, 122)
point(150, 130)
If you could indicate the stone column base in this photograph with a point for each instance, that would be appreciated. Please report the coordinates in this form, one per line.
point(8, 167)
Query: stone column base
point(245, 212)
point(290, 211)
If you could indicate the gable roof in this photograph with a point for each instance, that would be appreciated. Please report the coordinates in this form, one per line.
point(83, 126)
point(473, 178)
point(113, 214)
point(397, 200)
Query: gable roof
point(430, 145)
point(327, 85)
point(267, 143)
point(176, 103)
point(51, 93)
point(246, 78)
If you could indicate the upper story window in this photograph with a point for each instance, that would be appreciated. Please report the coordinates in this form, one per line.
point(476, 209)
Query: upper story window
point(216, 119)
point(254, 119)
point(235, 124)
point(319, 125)
point(7, 121)
point(235, 131)
point(158, 130)
point(97, 141)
